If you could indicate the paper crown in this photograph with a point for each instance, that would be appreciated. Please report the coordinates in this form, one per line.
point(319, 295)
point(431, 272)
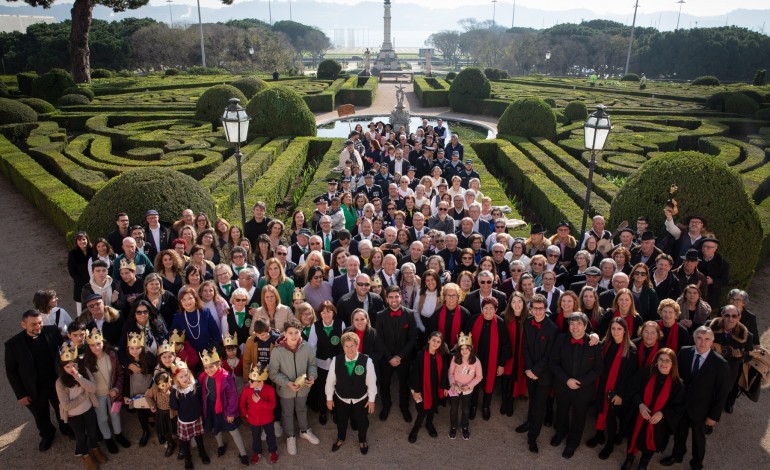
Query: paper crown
point(165, 347)
point(68, 353)
point(136, 339)
point(465, 340)
point(95, 336)
point(258, 373)
point(177, 366)
point(177, 337)
point(298, 294)
point(126, 264)
point(231, 340)
point(209, 358)
point(376, 281)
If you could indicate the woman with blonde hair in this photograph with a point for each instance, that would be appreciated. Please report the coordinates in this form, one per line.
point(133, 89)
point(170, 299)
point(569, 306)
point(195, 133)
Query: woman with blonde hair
point(313, 259)
point(275, 275)
point(271, 310)
point(623, 307)
point(675, 336)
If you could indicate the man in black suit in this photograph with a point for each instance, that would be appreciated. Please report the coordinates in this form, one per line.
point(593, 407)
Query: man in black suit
point(345, 240)
point(539, 336)
point(345, 282)
point(549, 290)
point(619, 281)
point(326, 233)
point(390, 275)
point(576, 366)
point(157, 236)
point(646, 252)
point(415, 256)
point(706, 378)
point(451, 252)
point(30, 364)
point(418, 228)
point(396, 339)
point(115, 238)
point(593, 275)
point(360, 297)
point(473, 300)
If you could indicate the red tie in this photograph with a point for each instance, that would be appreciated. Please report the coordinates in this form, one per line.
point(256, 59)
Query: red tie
point(536, 324)
point(397, 313)
point(576, 341)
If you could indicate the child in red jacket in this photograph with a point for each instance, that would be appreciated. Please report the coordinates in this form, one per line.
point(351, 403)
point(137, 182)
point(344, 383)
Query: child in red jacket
point(257, 405)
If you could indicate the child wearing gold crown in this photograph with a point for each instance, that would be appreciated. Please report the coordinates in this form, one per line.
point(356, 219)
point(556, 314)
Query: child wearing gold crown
point(184, 350)
point(233, 362)
point(137, 379)
point(158, 398)
point(220, 403)
point(465, 373)
point(76, 406)
point(257, 406)
point(185, 399)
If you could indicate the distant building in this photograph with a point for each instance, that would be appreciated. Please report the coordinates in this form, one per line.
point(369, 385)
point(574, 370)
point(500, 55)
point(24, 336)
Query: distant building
point(11, 23)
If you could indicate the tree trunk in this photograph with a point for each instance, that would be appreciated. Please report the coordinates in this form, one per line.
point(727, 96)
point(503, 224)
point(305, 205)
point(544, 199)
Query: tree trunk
point(80, 62)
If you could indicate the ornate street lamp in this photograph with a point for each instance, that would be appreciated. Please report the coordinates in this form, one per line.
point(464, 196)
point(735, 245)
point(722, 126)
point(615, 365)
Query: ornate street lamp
point(547, 58)
point(597, 128)
point(236, 124)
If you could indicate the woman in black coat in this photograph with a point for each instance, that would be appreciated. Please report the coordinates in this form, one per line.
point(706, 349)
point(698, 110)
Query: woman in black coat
point(367, 336)
point(77, 266)
point(428, 381)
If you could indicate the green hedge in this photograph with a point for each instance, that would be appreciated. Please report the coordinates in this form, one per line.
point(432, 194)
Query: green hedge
point(272, 187)
point(323, 172)
point(324, 102)
point(432, 92)
point(487, 107)
point(355, 94)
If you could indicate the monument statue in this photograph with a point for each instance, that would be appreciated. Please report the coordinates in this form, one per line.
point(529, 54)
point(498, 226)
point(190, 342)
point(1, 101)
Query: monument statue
point(400, 115)
point(386, 57)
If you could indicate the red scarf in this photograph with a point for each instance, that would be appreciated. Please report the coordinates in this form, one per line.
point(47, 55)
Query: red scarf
point(517, 332)
point(452, 339)
point(628, 318)
point(494, 339)
point(672, 340)
point(650, 357)
point(360, 340)
point(427, 389)
point(660, 402)
point(219, 377)
point(601, 419)
point(560, 321)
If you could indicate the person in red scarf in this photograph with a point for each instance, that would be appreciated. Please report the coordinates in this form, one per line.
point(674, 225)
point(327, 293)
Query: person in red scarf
point(493, 348)
point(576, 367)
point(539, 336)
point(367, 336)
point(648, 343)
point(675, 336)
point(513, 383)
point(613, 392)
point(452, 318)
point(429, 382)
point(659, 398)
point(623, 307)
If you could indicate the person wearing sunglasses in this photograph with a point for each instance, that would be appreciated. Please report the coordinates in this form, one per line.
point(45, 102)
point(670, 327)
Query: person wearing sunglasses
point(734, 341)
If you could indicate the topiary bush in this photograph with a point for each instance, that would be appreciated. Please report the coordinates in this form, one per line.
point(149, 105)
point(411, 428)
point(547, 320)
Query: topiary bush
point(250, 86)
point(550, 102)
point(212, 103)
point(576, 111)
point(51, 85)
point(87, 92)
point(72, 100)
point(495, 75)
point(760, 78)
point(3, 90)
point(172, 72)
point(25, 81)
point(470, 83)
point(738, 103)
point(717, 100)
point(729, 212)
point(706, 80)
point(451, 75)
point(280, 111)
point(102, 73)
point(528, 117)
point(13, 112)
point(630, 77)
point(763, 114)
point(754, 95)
point(40, 106)
point(329, 69)
point(163, 189)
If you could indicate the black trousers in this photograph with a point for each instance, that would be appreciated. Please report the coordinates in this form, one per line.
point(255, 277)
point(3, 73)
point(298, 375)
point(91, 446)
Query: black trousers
point(41, 410)
point(463, 402)
point(402, 372)
point(143, 414)
point(506, 387)
point(486, 401)
point(256, 438)
point(320, 386)
point(357, 413)
point(571, 411)
point(86, 430)
point(698, 427)
point(422, 415)
point(538, 391)
point(615, 422)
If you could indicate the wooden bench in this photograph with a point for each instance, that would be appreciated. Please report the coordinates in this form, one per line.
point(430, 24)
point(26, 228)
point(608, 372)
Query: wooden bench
point(396, 74)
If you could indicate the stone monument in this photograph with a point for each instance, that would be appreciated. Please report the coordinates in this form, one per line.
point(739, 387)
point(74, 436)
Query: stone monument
point(386, 57)
point(367, 64)
point(428, 68)
point(400, 115)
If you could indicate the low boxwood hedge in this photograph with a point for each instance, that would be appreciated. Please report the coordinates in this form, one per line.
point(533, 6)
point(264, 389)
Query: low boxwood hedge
point(272, 187)
point(432, 92)
point(354, 93)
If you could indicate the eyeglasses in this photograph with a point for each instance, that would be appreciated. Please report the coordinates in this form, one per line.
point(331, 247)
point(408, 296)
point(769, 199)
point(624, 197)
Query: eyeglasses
point(240, 300)
point(517, 271)
point(640, 274)
point(142, 312)
point(443, 209)
point(485, 282)
point(363, 284)
point(553, 255)
point(536, 264)
point(237, 256)
point(281, 253)
point(498, 251)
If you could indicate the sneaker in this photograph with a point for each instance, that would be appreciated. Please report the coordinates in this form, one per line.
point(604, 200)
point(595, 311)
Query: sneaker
point(291, 445)
point(466, 434)
point(244, 460)
point(278, 429)
point(452, 433)
point(254, 459)
point(310, 437)
point(273, 457)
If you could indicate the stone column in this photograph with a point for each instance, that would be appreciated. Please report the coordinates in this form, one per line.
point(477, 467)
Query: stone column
point(386, 44)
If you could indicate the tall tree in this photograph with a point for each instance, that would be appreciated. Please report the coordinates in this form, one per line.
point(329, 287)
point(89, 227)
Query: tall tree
point(447, 43)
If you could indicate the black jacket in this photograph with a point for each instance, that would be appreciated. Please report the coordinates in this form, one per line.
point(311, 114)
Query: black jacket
point(77, 266)
point(472, 302)
point(707, 389)
point(396, 335)
point(18, 361)
point(349, 302)
point(537, 346)
point(582, 362)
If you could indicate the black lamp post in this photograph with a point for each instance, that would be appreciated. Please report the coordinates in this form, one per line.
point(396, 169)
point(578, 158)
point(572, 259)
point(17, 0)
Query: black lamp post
point(597, 128)
point(547, 58)
point(236, 124)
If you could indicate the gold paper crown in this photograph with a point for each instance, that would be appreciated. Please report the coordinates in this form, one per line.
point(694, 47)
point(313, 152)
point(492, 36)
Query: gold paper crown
point(165, 347)
point(231, 340)
point(95, 336)
point(209, 358)
point(298, 294)
point(177, 366)
point(177, 337)
point(465, 340)
point(136, 339)
point(68, 353)
point(376, 281)
point(258, 373)
point(126, 264)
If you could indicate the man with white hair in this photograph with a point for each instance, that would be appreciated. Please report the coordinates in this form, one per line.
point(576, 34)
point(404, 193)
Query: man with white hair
point(345, 282)
point(143, 264)
point(473, 300)
point(597, 230)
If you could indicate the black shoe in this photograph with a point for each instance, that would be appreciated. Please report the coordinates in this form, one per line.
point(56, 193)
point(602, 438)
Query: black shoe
point(322, 419)
point(112, 448)
point(45, 444)
point(337, 445)
point(729, 409)
point(431, 430)
point(188, 461)
point(384, 413)
point(533, 447)
point(596, 440)
point(180, 454)
point(568, 452)
point(547, 423)
point(363, 447)
point(452, 433)
point(509, 410)
point(221, 450)
point(466, 434)
point(161, 440)
point(607, 451)
point(406, 414)
point(643, 464)
point(67, 431)
point(121, 439)
point(670, 460)
point(170, 448)
point(472, 413)
point(244, 460)
point(556, 439)
point(486, 413)
point(204, 456)
point(503, 408)
point(522, 428)
point(144, 439)
point(413, 436)
point(628, 463)
point(709, 430)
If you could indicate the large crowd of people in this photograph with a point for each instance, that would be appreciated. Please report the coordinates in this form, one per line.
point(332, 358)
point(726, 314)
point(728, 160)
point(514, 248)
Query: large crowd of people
point(405, 273)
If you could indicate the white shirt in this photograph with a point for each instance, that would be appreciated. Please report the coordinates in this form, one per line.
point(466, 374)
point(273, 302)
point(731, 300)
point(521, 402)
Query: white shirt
point(312, 340)
point(155, 232)
point(371, 382)
point(428, 308)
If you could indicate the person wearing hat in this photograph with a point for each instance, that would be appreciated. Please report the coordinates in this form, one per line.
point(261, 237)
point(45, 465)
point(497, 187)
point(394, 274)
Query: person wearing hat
point(349, 153)
point(384, 178)
point(687, 236)
point(646, 252)
point(468, 173)
point(626, 238)
point(715, 268)
point(321, 209)
point(331, 188)
point(158, 236)
point(536, 244)
point(453, 146)
point(302, 246)
point(592, 277)
point(688, 273)
point(105, 319)
point(370, 189)
point(454, 166)
point(566, 243)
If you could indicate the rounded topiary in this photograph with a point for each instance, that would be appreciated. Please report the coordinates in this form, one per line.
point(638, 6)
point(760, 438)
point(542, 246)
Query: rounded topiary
point(87, 92)
point(451, 75)
point(576, 111)
point(212, 103)
point(754, 95)
point(729, 212)
point(630, 77)
point(706, 80)
point(102, 73)
point(72, 100)
point(329, 69)
point(3, 90)
point(760, 78)
point(717, 100)
point(172, 72)
point(13, 112)
point(40, 106)
point(528, 117)
point(763, 114)
point(470, 84)
point(280, 111)
point(738, 103)
point(134, 192)
point(250, 86)
point(550, 102)
point(25, 81)
point(51, 85)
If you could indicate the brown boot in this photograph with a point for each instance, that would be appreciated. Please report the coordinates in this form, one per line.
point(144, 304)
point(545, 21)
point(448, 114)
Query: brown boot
point(96, 453)
point(90, 462)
